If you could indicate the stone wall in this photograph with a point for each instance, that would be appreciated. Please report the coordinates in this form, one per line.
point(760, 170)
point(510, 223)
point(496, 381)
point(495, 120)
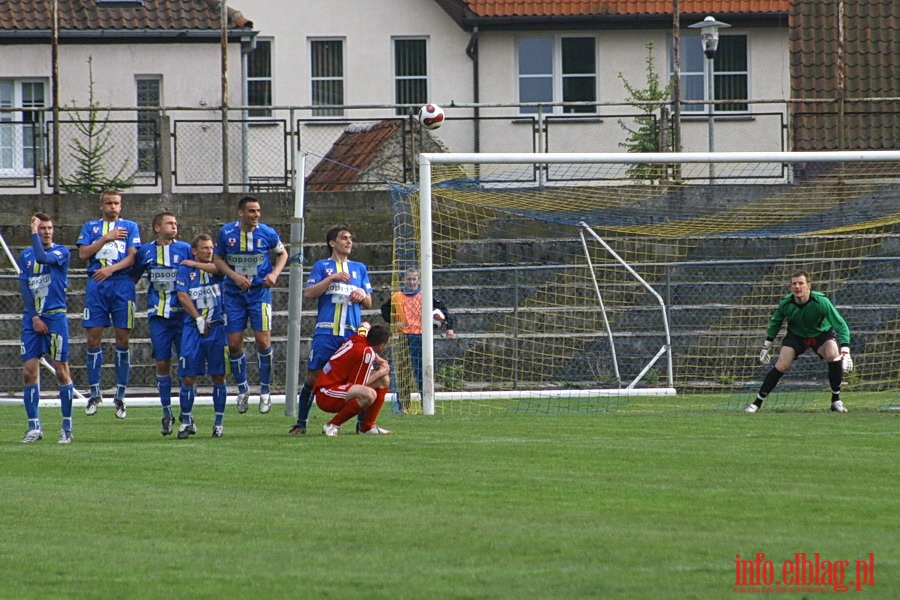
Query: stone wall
point(368, 213)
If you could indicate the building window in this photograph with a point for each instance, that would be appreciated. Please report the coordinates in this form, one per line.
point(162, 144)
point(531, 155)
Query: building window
point(259, 79)
point(730, 80)
point(149, 95)
point(410, 73)
point(19, 129)
point(327, 69)
point(557, 69)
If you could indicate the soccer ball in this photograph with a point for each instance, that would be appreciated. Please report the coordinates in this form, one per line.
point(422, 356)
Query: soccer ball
point(438, 317)
point(431, 116)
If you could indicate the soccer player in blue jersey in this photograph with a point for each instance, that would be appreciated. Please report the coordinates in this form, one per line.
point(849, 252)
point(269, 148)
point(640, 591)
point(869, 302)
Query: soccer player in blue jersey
point(109, 246)
point(203, 341)
point(812, 323)
point(159, 261)
point(243, 253)
point(341, 288)
point(43, 279)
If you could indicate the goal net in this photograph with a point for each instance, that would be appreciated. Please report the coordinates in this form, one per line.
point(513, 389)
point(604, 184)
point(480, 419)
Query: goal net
point(579, 280)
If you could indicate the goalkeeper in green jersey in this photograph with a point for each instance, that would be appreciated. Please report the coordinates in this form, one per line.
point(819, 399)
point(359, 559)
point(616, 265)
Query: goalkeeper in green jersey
point(812, 322)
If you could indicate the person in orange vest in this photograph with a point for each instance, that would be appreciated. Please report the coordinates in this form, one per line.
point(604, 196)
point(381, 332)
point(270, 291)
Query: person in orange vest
point(404, 312)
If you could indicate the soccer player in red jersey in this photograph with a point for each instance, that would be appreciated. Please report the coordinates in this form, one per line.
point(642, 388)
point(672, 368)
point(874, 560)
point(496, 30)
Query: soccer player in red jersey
point(355, 381)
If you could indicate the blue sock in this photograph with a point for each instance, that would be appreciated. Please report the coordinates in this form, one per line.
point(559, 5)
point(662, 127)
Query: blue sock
point(123, 368)
point(31, 396)
point(66, 395)
point(304, 404)
point(164, 386)
point(239, 371)
point(186, 400)
point(265, 369)
point(94, 362)
point(219, 396)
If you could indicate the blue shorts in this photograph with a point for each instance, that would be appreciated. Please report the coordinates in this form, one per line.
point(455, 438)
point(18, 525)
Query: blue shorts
point(321, 349)
point(202, 355)
point(166, 334)
point(114, 298)
point(253, 305)
point(55, 343)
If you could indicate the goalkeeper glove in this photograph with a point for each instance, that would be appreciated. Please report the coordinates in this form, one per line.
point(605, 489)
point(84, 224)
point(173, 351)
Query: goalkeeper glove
point(765, 355)
point(848, 362)
point(201, 325)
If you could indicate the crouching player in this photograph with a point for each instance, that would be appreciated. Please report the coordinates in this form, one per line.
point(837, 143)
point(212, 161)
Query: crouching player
point(203, 339)
point(355, 381)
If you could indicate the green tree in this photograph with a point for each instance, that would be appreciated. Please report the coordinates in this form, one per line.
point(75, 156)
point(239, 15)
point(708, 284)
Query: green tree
point(643, 131)
point(92, 148)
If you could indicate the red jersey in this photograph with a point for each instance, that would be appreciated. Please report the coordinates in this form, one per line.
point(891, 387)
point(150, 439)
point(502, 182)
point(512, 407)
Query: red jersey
point(350, 364)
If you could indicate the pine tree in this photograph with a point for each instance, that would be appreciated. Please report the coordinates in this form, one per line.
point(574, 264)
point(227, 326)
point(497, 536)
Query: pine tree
point(91, 149)
point(645, 136)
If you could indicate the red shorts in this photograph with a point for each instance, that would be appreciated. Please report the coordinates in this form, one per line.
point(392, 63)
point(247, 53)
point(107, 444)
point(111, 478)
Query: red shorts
point(332, 399)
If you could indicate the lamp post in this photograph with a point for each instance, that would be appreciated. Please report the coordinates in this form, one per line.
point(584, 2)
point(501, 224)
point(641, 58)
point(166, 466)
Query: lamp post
point(709, 37)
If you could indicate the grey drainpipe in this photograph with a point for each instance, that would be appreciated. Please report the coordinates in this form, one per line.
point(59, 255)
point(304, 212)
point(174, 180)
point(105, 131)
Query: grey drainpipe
point(472, 53)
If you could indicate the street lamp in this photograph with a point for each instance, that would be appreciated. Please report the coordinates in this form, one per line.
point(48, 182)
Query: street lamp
point(709, 36)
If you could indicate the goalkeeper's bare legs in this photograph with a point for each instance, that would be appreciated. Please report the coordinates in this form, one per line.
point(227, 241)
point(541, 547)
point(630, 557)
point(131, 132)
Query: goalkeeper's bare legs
point(826, 347)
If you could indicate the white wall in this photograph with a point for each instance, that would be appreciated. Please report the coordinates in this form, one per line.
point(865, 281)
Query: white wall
point(368, 28)
point(190, 72)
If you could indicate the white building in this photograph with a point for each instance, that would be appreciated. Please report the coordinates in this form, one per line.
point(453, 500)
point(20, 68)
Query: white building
point(309, 68)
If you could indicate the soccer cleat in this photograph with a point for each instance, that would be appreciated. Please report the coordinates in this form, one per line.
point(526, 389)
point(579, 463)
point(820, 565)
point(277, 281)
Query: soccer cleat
point(120, 409)
point(32, 435)
point(751, 408)
point(65, 437)
point(218, 431)
point(184, 432)
point(91, 408)
point(330, 430)
point(265, 403)
point(167, 423)
point(242, 402)
point(192, 426)
point(838, 406)
point(297, 429)
point(376, 430)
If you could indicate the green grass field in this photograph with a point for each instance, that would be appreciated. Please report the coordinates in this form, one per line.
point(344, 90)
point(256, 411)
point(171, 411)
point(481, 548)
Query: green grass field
point(654, 501)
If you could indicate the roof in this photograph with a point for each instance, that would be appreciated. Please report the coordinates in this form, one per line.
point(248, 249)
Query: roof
point(351, 154)
point(546, 8)
point(89, 15)
point(861, 65)
point(531, 14)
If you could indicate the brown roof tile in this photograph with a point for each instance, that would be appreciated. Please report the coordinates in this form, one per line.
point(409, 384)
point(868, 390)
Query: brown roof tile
point(541, 8)
point(352, 153)
point(87, 15)
point(869, 69)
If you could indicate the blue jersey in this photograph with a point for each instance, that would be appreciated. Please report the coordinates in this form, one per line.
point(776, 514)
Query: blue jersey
point(336, 315)
point(205, 291)
point(111, 252)
point(160, 263)
point(247, 252)
point(44, 277)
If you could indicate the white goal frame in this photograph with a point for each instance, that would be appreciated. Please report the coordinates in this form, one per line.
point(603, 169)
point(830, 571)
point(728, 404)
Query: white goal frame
point(426, 160)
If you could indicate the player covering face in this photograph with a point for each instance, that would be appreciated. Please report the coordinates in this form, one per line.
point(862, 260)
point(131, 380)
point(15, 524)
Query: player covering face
point(355, 381)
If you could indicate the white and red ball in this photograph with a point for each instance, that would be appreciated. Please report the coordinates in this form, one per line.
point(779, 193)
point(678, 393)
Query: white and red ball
point(431, 116)
point(438, 318)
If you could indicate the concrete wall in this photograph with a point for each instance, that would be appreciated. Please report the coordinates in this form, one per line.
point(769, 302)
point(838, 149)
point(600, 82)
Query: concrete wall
point(368, 214)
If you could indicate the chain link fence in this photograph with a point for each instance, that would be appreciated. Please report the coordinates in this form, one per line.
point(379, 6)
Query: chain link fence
point(189, 150)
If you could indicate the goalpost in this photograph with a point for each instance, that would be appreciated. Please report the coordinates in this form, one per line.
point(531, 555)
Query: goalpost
point(586, 276)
